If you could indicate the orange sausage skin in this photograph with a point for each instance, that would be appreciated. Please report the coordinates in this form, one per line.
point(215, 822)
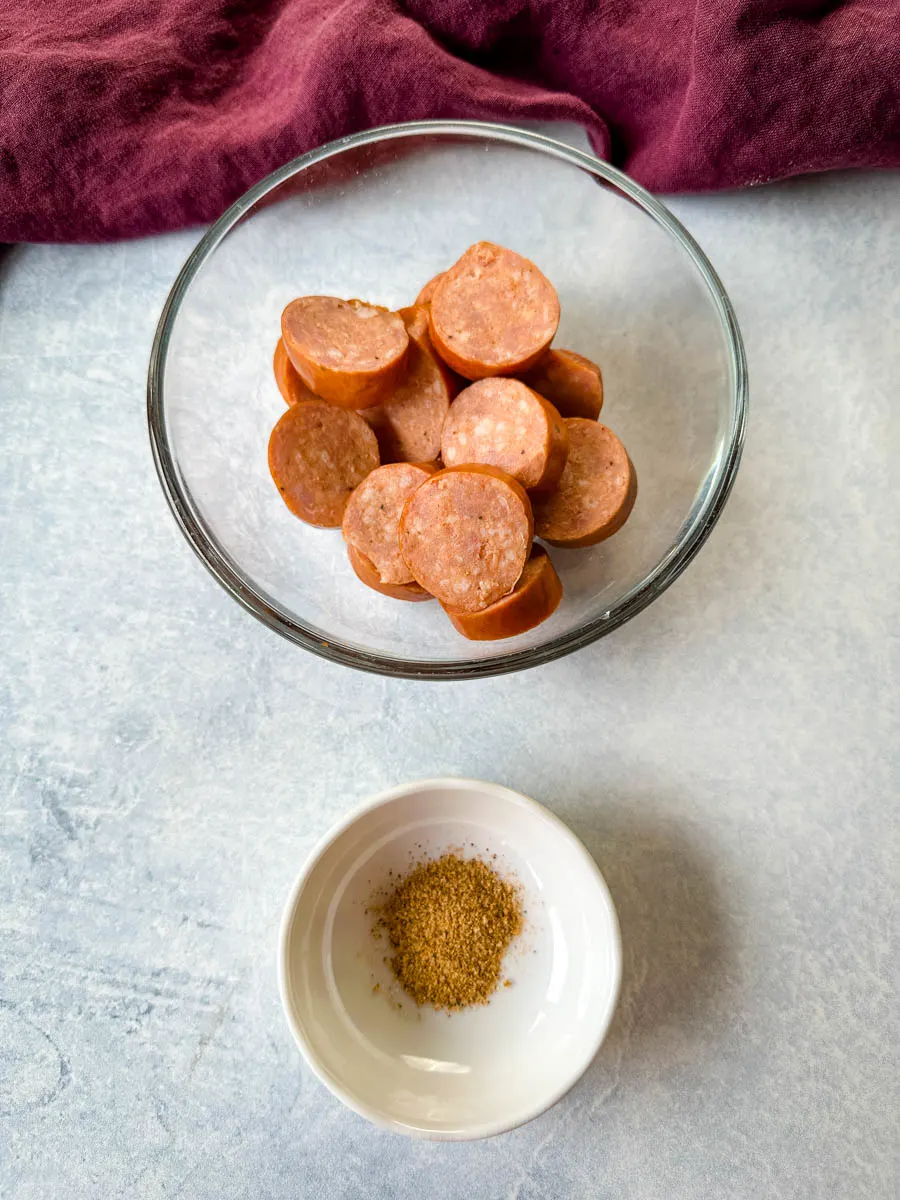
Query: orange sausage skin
point(571, 382)
point(293, 389)
point(350, 360)
point(596, 492)
point(424, 297)
point(318, 454)
point(492, 313)
point(602, 532)
point(415, 318)
point(450, 552)
point(505, 423)
point(366, 573)
point(535, 597)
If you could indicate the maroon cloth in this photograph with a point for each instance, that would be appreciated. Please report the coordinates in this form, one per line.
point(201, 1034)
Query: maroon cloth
point(124, 117)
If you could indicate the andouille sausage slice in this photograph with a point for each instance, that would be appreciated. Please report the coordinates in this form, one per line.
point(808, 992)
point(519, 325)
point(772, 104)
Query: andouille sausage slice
point(349, 353)
point(291, 386)
point(596, 493)
point(372, 517)
point(366, 573)
point(408, 424)
point(466, 534)
point(492, 313)
point(534, 598)
point(415, 318)
point(318, 454)
point(505, 424)
point(418, 327)
point(424, 297)
point(571, 382)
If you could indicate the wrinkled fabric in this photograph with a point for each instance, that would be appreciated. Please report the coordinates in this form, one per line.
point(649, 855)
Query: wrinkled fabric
point(120, 118)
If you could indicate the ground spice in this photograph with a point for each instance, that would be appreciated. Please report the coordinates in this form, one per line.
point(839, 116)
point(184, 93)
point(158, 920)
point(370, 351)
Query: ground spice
point(449, 922)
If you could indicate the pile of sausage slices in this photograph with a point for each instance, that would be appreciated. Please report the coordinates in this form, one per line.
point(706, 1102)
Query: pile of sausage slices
point(444, 437)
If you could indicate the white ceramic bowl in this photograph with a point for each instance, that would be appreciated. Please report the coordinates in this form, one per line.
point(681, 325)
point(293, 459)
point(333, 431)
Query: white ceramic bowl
point(477, 1072)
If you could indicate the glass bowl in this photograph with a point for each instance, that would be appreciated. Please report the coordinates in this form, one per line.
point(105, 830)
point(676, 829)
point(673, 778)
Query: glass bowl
point(375, 215)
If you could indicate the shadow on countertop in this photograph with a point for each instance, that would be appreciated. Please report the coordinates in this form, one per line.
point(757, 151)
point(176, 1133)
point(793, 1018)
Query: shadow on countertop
point(677, 980)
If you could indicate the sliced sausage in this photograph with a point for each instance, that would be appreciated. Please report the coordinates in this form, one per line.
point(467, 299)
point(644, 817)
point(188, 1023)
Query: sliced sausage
point(492, 313)
point(317, 455)
point(372, 517)
point(418, 327)
point(408, 423)
point(466, 535)
point(505, 424)
point(596, 493)
point(415, 318)
point(291, 386)
point(366, 573)
point(347, 352)
point(571, 382)
point(424, 297)
point(534, 598)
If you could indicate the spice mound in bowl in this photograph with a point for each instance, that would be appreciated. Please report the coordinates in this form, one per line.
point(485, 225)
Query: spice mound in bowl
point(449, 923)
point(399, 937)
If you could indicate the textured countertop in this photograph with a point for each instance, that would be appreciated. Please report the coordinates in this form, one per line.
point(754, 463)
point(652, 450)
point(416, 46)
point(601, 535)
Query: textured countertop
point(730, 757)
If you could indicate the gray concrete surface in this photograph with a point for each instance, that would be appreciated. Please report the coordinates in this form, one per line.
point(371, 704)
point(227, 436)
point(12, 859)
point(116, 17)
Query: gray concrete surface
point(730, 757)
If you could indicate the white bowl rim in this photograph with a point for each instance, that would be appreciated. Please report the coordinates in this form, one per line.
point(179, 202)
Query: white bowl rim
point(381, 800)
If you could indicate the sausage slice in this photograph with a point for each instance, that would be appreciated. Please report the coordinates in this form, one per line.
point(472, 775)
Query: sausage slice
point(415, 318)
point(534, 598)
point(349, 353)
point(571, 382)
point(492, 313)
point(291, 386)
point(418, 327)
point(317, 455)
point(596, 493)
point(367, 574)
point(466, 535)
point(424, 297)
point(372, 517)
point(505, 424)
point(408, 424)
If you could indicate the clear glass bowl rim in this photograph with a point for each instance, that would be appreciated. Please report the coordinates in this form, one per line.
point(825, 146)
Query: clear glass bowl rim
point(693, 534)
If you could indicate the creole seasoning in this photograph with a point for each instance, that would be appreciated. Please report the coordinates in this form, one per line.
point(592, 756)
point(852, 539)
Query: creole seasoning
point(449, 923)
